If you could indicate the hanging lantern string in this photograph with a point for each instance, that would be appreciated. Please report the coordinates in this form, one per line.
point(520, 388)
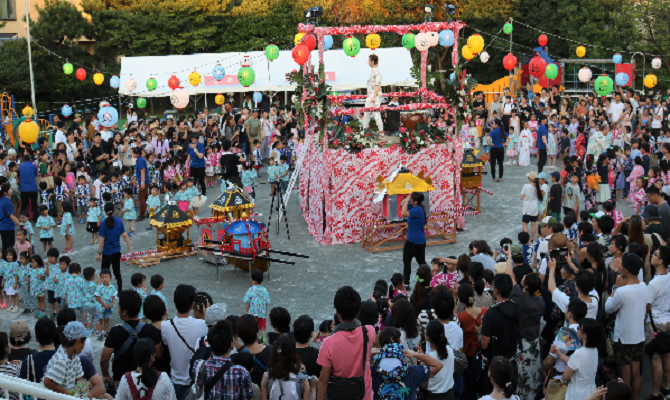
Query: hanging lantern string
point(486, 47)
point(583, 43)
point(515, 44)
point(66, 59)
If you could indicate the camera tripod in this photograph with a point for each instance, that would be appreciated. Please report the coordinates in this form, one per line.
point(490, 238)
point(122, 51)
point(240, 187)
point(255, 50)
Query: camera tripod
point(279, 208)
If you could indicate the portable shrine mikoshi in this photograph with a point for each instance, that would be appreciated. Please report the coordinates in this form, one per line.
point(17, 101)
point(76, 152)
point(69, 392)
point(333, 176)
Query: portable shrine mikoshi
point(471, 179)
point(232, 204)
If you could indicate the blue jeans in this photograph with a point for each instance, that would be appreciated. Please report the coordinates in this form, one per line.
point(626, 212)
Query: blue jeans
point(180, 391)
point(105, 314)
point(459, 387)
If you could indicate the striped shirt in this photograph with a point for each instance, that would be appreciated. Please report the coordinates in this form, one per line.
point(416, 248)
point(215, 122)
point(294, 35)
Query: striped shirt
point(10, 369)
point(63, 370)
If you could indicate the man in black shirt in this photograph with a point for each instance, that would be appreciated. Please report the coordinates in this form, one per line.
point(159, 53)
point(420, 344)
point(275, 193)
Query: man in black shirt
point(229, 163)
point(555, 195)
point(479, 106)
point(554, 99)
point(501, 324)
point(99, 155)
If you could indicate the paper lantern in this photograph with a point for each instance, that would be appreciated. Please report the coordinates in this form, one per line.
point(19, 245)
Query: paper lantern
point(327, 42)
point(179, 99)
point(650, 81)
point(194, 78)
point(433, 39)
point(246, 61)
point(542, 40)
point(585, 75)
point(508, 28)
point(300, 54)
point(131, 84)
point(98, 78)
point(617, 59)
point(537, 66)
point(551, 72)
point(484, 57)
point(621, 78)
point(421, 42)
point(173, 82)
point(258, 97)
point(476, 43)
point(603, 85)
point(272, 52)
point(66, 110)
point(68, 68)
point(581, 51)
point(108, 116)
point(452, 76)
point(218, 72)
point(81, 74)
point(656, 63)
point(114, 82)
point(509, 62)
point(309, 41)
point(246, 76)
point(152, 84)
point(29, 131)
point(408, 41)
point(28, 111)
point(298, 38)
point(373, 41)
point(447, 38)
point(466, 53)
point(351, 46)
point(141, 102)
point(220, 99)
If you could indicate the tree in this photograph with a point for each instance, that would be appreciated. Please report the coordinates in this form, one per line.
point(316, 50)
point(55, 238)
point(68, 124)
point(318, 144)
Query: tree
point(653, 17)
point(14, 73)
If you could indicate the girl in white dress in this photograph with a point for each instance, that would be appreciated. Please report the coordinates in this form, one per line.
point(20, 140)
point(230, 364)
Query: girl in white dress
point(501, 373)
point(525, 144)
point(580, 374)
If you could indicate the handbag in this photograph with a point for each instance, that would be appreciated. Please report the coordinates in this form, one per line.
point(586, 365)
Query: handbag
point(460, 363)
point(349, 388)
point(659, 344)
point(556, 390)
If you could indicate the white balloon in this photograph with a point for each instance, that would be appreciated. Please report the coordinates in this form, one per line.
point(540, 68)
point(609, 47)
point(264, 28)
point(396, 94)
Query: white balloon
point(585, 75)
point(434, 38)
point(656, 63)
point(179, 98)
point(484, 56)
point(131, 84)
point(422, 41)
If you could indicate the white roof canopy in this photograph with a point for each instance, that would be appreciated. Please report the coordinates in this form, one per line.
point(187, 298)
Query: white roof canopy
point(342, 72)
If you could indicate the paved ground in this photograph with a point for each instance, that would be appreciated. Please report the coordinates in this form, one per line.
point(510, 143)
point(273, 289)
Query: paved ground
point(308, 286)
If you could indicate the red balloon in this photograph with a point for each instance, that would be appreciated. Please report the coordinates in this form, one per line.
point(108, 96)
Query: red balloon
point(81, 74)
point(309, 41)
point(537, 67)
point(173, 82)
point(300, 54)
point(542, 40)
point(509, 62)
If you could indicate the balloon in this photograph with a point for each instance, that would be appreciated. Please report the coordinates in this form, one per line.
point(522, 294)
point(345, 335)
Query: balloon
point(298, 38)
point(309, 41)
point(408, 41)
point(351, 46)
point(617, 59)
point(476, 43)
point(484, 57)
point(467, 53)
point(194, 78)
point(81, 74)
point(98, 78)
point(542, 40)
point(373, 41)
point(114, 82)
point(508, 28)
point(509, 62)
point(131, 84)
point(272, 52)
point(300, 54)
point(66, 110)
point(585, 75)
point(28, 111)
point(258, 97)
point(603, 85)
point(621, 78)
point(327, 42)
point(218, 72)
point(179, 99)
point(650, 81)
point(246, 76)
point(422, 42)
point(552, 71)
point(108, 116)
point(152, 84)
point(141, 102)
point(29, 131)
point(433, 38)
point(173, 82)
point(447, 38)
point(68, 68)
point(220, 99)
point(656, 63)
point(581, 51)
point(537, 66)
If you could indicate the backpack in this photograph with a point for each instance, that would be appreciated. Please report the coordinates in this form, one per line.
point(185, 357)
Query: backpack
point(297, 382)
point(132, 337)
point(133, 389)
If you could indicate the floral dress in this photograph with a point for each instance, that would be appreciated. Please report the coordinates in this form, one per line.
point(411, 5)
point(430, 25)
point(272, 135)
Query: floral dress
point(580, 146)
point(129, 204)
point(67, 226)
point(637, 172)
point(37, 286)
point(248, 178)
point(93, 214)
point(589, 194)
point(46, 222)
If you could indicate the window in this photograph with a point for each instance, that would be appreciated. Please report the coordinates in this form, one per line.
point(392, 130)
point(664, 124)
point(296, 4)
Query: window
point(7, 10)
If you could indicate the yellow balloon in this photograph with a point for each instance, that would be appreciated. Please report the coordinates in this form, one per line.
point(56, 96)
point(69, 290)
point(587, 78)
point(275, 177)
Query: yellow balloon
point(29, 131)
point(28, 111)
point(581, 51)
point(373, 41)
point(194, 78)
point(650, 81)
point(298, 38)
point(476, 43)
point(220, 99)
point(467, 53)
point(98, 78)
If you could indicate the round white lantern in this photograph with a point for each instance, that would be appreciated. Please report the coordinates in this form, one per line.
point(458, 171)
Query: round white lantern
point(585, 75)
point(484, 56)
point(131, 84)
point(422, 41)
point(434, 38)
point(656, 63)
point(179, 99)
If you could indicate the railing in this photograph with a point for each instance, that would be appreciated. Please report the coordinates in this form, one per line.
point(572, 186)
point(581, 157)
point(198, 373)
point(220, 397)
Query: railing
point(22, 386)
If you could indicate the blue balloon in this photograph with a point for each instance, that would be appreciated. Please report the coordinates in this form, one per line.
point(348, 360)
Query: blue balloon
point(258, 97)
point(452, 76)
point(108, 116)
point(218, 72)
point(446, 38)
point(115, 82)
point(621, 78)
point(327, 42)
point(66, 111)
point(617, 59)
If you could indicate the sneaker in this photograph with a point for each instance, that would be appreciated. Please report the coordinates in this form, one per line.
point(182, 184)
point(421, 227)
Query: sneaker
point(4, 306)
point(665, 392)
point(54, 316)
point(658, 397)
point(27, 311)
point(101, 336)
point(92, 241)
point(131, 234)
point(81, 220)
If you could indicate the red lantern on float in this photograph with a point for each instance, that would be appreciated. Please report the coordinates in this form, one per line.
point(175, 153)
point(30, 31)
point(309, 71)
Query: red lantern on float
point(309, 41)
point(173, 82)
point(81, 74)
point(537, 67)
point(509, 62)
point(542, 40)
point(300, 54)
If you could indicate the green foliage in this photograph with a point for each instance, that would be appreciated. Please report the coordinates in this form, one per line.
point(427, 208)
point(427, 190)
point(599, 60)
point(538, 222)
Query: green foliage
point(14, 73)
point(653, 17)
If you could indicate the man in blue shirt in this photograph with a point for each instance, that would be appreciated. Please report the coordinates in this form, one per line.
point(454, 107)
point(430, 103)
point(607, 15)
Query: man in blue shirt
point(496, 139)
point(143, 180)
point(542, 137)
point(28, 185)
point(415, 244)
point(196, 159)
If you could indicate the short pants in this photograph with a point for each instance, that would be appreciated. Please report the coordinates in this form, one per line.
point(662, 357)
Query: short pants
point(528, 218)
point(105, 314)
point(625, 354)
point(52, 299)
point(261, 323)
